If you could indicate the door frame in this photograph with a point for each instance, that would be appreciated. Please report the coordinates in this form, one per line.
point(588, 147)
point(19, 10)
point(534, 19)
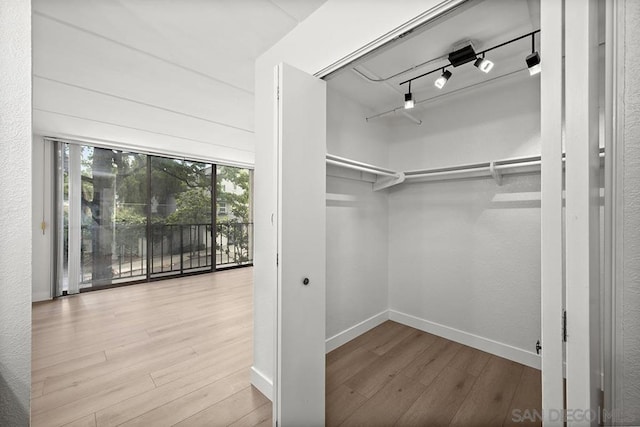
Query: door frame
point(552, 306)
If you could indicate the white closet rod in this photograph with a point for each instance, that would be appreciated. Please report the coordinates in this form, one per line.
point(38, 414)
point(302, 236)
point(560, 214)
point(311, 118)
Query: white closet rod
point(516, 163)
point(526, 164)
point(359, 166)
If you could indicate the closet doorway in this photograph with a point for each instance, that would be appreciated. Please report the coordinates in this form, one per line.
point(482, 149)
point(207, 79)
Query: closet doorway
point(434, 213)
point(460, 260)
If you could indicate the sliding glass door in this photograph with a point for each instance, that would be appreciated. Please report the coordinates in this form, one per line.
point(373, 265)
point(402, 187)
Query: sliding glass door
point(125, 217)
point(181, 216)
point(234, 237)
point(102, 215)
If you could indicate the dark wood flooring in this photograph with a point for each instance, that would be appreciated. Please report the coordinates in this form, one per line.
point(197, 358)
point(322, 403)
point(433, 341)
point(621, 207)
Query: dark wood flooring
point(395, 375)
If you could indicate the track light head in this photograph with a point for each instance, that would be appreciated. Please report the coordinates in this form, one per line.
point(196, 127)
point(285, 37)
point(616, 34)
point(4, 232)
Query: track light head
point(533, 63)
point(442, 80)
point(483, 64)
point(408, 101)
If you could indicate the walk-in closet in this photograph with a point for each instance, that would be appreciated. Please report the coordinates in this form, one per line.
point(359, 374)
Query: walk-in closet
point(433, 211)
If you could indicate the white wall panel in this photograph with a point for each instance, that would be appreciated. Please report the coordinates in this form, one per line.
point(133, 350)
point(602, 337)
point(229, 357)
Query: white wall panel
point(465, 254)
point(59, 124)
point(195, 34)
point(492, 122)
point(90, 106)
point(66, 54)
point(630, 315)
point(357, 220)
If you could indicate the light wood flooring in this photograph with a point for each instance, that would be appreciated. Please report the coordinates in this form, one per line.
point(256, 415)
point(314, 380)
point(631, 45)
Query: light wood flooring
point(174, 352)
point(397, 375)
point(178, 352)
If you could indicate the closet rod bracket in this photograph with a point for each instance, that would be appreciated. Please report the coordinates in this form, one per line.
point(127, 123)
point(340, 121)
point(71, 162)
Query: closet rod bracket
point(495, 173)
point(386, 182)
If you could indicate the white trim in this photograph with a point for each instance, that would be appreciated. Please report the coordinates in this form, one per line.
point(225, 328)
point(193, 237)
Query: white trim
point(75, 220)
point(119, 145)
point(615, 189)
point(610, 104)
point(262, 383)
point(551, 174)
point(41, 296)
point(356, 330)
point(485, 344)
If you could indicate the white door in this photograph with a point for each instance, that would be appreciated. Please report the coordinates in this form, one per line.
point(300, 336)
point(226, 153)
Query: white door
point(301, 135)
point(551, 87)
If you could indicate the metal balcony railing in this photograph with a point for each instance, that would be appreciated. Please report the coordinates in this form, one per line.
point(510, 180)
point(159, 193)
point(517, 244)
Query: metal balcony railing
point(174, 249)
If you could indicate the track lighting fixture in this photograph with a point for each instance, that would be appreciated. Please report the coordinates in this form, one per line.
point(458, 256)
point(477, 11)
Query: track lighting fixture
point(483, 64)
point(408, 99)
point(442, 80)
point(467, 54)
point(533, 60)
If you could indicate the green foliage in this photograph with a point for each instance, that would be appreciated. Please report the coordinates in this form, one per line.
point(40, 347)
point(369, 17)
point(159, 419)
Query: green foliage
point(130, 215)
point(115, 186)
point(193, 206)
point(237, 201)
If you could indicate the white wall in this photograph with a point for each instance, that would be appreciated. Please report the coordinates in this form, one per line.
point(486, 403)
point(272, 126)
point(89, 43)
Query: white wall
point(100, 72)
point(357, 231)
point(309, 47)
point(464, 255)
point(491, 122)
point(15, 212)
point(630, 370)
point(42, 210)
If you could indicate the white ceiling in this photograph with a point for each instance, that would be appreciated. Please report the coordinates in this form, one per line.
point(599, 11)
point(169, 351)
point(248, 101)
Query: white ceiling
point(485, 23)
point(162, 73)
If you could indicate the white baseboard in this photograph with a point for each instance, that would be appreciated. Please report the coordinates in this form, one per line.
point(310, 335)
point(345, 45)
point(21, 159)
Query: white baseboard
point(262, 383)
point(265, 385)
point(40, 296)
point(494, 347)
point(353, 332)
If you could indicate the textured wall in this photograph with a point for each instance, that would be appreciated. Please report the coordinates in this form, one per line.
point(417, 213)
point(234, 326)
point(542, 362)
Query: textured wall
point(357, 219)
point(492, 122)
point(466, 253)
point(15, 212)
point(631, 214)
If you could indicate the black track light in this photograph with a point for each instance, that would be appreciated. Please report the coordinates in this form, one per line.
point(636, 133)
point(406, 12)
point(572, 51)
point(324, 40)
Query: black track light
point(408, 99)
point(533, 60)
point(467, 54)
point(442, 80)
point(533, 63)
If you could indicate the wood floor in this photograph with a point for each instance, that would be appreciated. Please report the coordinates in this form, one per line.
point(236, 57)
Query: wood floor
point(178, 352)
point(174, 352)
point(397, 375)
